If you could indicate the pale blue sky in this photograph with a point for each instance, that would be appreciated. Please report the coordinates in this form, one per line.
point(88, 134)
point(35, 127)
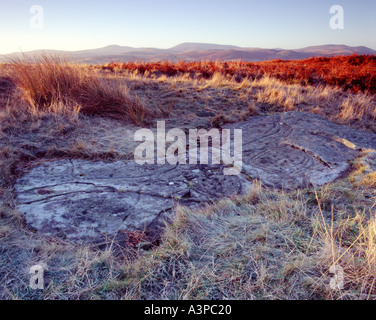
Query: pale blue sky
point(290, 24)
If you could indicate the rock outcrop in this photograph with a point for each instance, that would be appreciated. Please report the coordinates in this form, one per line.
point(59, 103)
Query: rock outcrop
point(83, 201)
point(297, 149)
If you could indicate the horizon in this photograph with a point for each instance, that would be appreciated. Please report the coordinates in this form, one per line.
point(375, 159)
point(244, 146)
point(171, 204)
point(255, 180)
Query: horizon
point(164, 24)
point(198, 43)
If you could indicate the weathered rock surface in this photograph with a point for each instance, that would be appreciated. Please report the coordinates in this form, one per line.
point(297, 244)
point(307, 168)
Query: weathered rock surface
point(82, 200)
point(297, 149)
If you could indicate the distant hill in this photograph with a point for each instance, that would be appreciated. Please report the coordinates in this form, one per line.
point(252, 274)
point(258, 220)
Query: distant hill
point(196, 51)
point(336, 50)
point(188, 46)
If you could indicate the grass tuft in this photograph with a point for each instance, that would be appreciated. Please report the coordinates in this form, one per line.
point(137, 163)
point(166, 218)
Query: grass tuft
point(47, 81)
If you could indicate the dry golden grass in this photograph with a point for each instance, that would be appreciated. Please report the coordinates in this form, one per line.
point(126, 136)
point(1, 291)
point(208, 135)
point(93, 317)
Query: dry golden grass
point(350, 244)
point(47, 81)
point(269, 93)
point(370, 179)
point(268, 245)
point(358, 107)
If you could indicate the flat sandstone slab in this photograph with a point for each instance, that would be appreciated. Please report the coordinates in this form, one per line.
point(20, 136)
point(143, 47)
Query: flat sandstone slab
point(83, 201)
point(298, 149)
